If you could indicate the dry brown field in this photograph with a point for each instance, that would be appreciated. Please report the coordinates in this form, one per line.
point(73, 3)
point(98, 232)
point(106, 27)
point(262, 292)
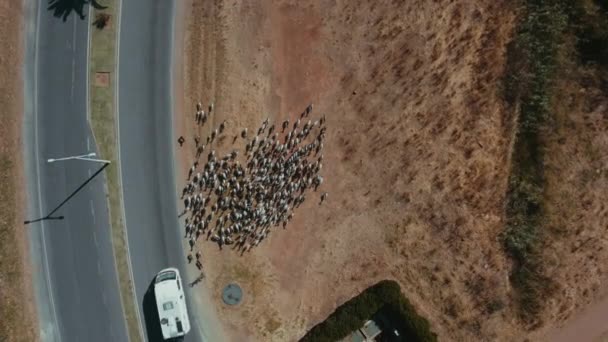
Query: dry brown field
point(416, 162)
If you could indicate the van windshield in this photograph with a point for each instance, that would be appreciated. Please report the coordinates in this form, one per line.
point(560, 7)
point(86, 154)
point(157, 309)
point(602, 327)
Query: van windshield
point(166, 276)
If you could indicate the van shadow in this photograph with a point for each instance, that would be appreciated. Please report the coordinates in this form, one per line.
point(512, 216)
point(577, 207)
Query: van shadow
point(63, 8)
point(153, 329)
point(151, 315)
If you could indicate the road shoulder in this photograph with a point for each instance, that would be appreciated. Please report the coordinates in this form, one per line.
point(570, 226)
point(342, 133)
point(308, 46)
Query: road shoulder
point(18, 309)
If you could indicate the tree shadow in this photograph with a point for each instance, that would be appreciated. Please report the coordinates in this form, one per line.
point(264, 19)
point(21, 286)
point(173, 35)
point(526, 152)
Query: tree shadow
point(151, 317)
point(63, 8)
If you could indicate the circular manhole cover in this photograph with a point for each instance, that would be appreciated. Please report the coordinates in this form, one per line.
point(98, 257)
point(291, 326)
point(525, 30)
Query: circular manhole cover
point(232, 294)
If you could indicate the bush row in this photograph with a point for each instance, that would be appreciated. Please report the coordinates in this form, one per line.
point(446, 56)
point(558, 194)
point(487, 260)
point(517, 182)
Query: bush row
point(533, 59)
point(351, 315)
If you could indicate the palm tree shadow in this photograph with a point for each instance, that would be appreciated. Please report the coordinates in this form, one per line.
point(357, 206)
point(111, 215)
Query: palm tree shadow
point(63, 8)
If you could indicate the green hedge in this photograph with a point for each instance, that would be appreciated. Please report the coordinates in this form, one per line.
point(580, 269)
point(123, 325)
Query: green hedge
point(351, 315)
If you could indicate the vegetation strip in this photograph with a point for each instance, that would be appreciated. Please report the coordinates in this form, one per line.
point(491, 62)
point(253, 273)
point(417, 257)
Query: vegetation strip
point(102, 85)
point(533, 60)
point(17, 317)
point(350, 316)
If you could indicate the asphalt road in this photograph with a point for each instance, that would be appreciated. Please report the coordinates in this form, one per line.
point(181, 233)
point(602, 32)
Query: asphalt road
point(74, 270)
point(146, 149)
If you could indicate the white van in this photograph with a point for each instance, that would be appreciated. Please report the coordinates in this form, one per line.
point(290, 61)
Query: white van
point(171, 304)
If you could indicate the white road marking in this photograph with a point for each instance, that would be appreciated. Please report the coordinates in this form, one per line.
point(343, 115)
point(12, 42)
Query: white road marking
point(92, 210)
point(73, 59)
point(88, 71)
point(37, 163)
point(100, 273)
point(124, 219)
point(95, 239)
point(88, 144)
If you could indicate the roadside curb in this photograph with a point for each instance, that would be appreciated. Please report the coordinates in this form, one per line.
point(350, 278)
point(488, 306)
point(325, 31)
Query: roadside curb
point(102, 113)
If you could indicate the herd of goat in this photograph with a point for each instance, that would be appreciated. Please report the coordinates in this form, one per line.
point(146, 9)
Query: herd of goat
point(238, 198)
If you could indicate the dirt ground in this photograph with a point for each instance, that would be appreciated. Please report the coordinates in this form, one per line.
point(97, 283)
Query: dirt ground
point(17, 307)
point(416, 158)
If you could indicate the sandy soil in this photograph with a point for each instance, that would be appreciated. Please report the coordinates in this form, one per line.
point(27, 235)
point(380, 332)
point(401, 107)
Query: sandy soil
point(17, 307)
point(416, 158)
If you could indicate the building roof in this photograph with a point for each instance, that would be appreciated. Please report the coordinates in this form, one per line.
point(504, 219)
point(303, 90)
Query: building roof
point(355, 336)
point(371, 329)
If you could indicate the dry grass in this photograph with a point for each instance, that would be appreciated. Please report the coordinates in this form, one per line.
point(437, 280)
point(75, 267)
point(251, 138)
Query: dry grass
point(17, 310)
point(417, 159)
point(577, 191)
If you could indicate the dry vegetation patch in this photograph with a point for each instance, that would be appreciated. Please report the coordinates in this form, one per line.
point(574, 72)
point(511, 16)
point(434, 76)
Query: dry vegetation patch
point(416, 164)
point(17, 311)
point(576, 251)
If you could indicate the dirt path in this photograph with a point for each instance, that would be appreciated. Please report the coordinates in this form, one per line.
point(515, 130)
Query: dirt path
point(588, 326)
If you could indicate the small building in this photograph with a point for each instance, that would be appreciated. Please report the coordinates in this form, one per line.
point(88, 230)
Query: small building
point(371, 330)
point(356, 336)
point(367, 333)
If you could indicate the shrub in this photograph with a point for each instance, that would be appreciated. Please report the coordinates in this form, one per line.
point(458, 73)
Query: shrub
point(101, 20)
point(351, 315)
point(535, 49)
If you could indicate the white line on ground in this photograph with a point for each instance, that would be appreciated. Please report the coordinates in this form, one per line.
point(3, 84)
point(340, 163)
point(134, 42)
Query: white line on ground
point(37, 163)
point(122, 202)
point(92, 210)
point(86, 80)
point(73, 60)
point(95, 239)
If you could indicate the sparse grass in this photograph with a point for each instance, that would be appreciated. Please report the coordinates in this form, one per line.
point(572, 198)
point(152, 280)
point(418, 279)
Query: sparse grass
point(272, 325)
point(393, 235)
point(17, 312)
point(15, 325)
point(102, 121)
point(242, 273)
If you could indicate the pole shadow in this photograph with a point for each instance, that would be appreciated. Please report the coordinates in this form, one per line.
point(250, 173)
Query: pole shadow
point(153, 330)
point(63, 8)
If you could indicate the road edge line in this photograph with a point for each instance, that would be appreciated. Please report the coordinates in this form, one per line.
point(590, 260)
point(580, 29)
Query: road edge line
point(119, 162)
point(36, 164)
